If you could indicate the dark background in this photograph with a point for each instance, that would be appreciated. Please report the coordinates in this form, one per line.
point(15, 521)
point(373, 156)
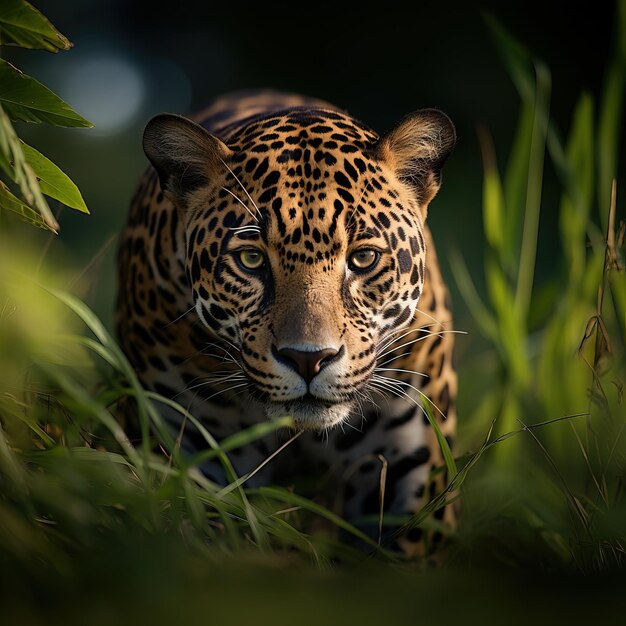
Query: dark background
point(132, 60)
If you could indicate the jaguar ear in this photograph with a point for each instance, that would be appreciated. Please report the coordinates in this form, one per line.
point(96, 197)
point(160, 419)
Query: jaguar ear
point(417, 148)
point(183, 153)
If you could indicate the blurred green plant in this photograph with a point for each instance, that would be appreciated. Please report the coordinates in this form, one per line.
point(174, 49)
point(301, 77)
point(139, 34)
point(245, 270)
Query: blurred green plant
point(22, 98)
point(556, 349)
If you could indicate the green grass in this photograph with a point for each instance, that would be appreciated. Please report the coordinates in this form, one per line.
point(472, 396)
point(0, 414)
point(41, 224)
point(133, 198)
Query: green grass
point(90, 522)
point(555, 350)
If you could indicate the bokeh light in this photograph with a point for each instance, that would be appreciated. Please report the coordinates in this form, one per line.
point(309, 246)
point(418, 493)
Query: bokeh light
point(107, 89)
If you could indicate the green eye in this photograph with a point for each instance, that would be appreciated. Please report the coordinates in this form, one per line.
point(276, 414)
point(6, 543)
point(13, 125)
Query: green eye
point(252, 259)
point(363, 260)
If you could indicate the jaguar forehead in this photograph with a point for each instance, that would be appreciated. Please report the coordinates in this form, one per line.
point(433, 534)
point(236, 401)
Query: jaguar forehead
point(310, 175)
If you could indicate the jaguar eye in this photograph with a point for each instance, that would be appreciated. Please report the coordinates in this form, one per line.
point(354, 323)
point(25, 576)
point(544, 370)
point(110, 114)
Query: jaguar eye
point(363, 260)
point(252, 259)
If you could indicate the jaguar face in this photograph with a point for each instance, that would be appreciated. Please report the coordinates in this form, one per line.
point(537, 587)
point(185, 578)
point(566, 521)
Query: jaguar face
point(304, 244)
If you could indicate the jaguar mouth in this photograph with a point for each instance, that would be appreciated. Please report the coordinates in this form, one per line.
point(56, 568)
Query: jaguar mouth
point(312, 413)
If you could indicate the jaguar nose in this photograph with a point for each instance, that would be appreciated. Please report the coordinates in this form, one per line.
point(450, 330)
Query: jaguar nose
point(307, 363)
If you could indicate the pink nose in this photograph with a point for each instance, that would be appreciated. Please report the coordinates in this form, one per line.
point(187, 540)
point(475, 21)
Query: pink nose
point(307, 364)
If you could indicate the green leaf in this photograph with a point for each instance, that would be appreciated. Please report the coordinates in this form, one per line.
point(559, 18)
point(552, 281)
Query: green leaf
point(515, 182)
point(576, 202)
point(12, 203)
point(22, 25)
point(242, 438)
point(27, 100)
point(54, 182)
point(441, 440)
point(292, 499)
point(5, 161)
point(484, 319)
point(518, 61)
point(528, 250)
point(13, 162)
point(494, 209)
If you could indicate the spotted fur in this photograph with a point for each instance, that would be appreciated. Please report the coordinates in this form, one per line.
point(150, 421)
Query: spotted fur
point(349, 353)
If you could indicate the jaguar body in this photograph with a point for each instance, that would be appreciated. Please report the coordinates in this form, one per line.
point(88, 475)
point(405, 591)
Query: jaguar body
point(276, 261)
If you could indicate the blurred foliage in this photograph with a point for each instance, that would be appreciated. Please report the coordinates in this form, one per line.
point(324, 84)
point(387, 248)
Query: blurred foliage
point(558, 350)
point(89, 519)
point(25, 99)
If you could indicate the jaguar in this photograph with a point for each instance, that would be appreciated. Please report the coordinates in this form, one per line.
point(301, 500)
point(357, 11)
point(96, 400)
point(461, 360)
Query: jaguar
point(276, 262)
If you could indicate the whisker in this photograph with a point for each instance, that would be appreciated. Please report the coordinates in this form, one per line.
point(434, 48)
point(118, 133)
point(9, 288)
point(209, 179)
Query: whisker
point(245, 206)
point(396, 391)
point(386, 339)
point(212, 374)
point(403, 382)
point(430, 317)
point(217, 345)
point(235, 377)
point(236, 395)
point(385, 382)
point(393, 358)
point(249, 228)
point(180, 317)
point(367, 398)
point(245, 227)
point(225, 357)
point(349, 425)
point(242, 186)
point(356, 204)
point(387, 389)
point(225, 376)
point(361, 412)
point(397, 369)
point(228, 358)
point(367, 392)
point(382, 391)
point(406, 332)
point(217, 393)
point(220, 357)
point(408, 343)
point(232, 345)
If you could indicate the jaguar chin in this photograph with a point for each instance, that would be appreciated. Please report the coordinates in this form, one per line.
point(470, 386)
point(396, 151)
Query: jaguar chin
point(311, 413)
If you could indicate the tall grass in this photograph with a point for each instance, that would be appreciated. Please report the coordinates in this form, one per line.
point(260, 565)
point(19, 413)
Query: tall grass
point(556, 349)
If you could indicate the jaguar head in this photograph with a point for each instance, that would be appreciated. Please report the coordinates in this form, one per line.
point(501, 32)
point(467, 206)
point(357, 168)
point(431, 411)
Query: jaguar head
point(305, 244)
